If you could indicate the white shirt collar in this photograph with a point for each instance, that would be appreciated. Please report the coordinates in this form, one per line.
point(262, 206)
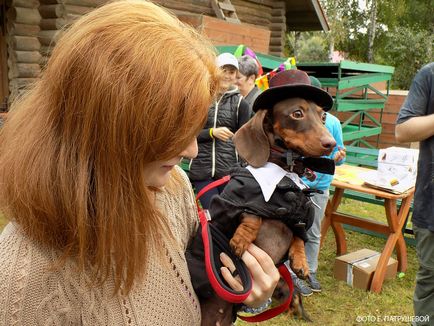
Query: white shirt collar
point(269, 175)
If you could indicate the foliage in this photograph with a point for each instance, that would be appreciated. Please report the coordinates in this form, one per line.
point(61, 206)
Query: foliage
point(407, 49)
point(313, 49)
point(403, 31)
point(307, 47)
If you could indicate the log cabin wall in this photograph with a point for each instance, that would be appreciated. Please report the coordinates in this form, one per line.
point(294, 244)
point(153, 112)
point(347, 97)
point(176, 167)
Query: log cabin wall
point(34, 26)
point(22, 28)
point(56, 14)
point(278, 28)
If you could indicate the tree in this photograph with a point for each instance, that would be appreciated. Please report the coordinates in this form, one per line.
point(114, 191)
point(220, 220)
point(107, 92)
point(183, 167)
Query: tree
point(372, 29)
point(313, 49)
point(407, 49)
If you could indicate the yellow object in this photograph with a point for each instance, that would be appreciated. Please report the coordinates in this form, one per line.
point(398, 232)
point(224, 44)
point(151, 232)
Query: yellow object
point(394, 182)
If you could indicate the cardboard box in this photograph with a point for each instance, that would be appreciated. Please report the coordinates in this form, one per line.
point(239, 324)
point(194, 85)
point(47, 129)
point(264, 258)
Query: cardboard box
point(357, 268)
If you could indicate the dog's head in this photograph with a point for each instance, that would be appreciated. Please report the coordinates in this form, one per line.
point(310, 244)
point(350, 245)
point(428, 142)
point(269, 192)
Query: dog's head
point(297, 122)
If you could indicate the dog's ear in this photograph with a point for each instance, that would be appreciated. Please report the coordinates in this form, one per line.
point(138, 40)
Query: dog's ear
point(252, 142)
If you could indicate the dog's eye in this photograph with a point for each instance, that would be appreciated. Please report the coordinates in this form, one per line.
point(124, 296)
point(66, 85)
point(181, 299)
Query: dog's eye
point(297, 114)
point(323, 117)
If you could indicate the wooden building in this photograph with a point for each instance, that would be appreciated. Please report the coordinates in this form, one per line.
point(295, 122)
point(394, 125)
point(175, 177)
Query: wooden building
point(30, 28)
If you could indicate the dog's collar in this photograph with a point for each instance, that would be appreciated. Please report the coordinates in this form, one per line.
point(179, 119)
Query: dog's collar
point(290, 161)
point(293, 161)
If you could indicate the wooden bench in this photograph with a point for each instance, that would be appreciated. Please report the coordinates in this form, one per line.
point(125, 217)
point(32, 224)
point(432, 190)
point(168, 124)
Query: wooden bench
point(367, 157)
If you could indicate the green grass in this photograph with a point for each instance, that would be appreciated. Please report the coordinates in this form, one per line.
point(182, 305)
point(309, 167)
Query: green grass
point(339, 304)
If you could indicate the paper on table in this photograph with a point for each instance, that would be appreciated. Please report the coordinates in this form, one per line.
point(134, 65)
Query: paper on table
point(348, 174)
point(386, 182)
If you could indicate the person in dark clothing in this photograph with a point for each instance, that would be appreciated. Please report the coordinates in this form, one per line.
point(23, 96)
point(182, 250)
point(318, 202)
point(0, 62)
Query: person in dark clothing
point(246, 77)
point(217, 154)
point(416, 123)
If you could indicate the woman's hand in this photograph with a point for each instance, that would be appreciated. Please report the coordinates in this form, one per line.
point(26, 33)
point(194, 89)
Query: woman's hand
point(222, 133)
point(264, 275)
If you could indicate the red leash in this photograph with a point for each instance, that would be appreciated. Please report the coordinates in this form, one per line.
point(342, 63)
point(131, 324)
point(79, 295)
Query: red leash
point(216, 238)
point(223, 291)
point(273, 312)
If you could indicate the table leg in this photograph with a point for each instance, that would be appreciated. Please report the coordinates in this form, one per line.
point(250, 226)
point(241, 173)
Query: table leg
point(396, 222)
point(401, 248)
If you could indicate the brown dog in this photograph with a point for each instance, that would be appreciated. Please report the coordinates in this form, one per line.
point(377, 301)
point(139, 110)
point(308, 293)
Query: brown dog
point(284, 127)
point(299, 124)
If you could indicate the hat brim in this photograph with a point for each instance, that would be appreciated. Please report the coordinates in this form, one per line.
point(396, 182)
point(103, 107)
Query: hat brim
point(271, 96)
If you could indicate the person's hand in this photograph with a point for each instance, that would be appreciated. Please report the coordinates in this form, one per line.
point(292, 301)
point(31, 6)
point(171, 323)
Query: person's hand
point(222, 133)
point(340, 154)
point(264, 275)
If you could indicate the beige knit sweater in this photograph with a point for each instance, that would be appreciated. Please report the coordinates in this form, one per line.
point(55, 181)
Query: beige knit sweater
point(30, 294)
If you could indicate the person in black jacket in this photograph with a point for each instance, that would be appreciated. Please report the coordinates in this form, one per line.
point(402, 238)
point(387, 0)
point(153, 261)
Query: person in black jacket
point(217, 154)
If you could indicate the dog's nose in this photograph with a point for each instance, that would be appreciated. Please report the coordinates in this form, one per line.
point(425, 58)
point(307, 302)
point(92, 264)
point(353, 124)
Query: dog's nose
point(328, 143)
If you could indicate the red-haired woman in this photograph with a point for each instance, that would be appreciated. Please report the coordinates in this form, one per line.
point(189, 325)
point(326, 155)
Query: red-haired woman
point(100, 214)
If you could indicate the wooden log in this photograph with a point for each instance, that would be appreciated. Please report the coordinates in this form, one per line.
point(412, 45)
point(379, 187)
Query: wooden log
point(22, 3)
point(52, 23)
point(20, 83)
point(23, 70)
point(279, 41)
point(77, 10)
point(276, 27)
point(279, 4)
point(52, 11)
point(276, 49)
point(17, 93)
point(278, 12)
point(25, 56)
point(28, 16)
point(187, 7)
point(85, 3)
point(22, 29)
point(46, 51)
point(278, 20)
point(49, 37)
point(70, 18)
point(24, 43)
point(50, 2)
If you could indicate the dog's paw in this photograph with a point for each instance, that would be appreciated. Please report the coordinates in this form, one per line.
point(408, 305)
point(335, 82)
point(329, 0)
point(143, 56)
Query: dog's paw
point(299, 267)
point(239, 245)
point(297, 258)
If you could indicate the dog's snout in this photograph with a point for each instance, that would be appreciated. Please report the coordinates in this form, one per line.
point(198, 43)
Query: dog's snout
point(328, 142)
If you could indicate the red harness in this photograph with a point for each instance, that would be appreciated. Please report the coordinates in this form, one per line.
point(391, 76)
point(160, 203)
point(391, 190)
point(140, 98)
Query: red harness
point(223, 291)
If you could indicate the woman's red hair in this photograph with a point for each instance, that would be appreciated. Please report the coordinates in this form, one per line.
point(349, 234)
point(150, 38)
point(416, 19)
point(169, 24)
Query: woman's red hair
point(126, 85)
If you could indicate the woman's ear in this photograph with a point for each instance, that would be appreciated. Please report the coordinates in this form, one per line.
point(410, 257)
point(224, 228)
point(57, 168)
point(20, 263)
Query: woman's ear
point(251, 141)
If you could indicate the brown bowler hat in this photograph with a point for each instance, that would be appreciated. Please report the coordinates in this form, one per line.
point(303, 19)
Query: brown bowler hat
point(288, 84)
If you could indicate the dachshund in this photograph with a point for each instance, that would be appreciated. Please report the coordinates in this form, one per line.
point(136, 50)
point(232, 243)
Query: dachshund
point(293, 128)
